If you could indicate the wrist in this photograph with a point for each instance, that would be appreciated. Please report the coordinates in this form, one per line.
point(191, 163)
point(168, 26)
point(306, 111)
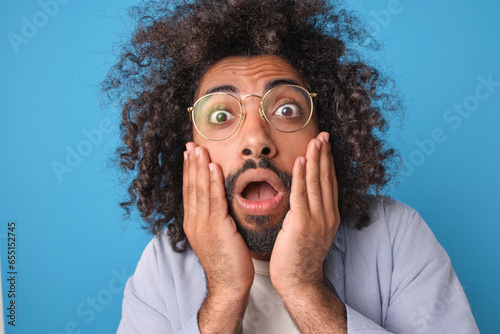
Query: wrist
point(320, 304)
point(303, 291)
point(222, 313)
point(298, 286)
point(230, 296)
point(225, 289)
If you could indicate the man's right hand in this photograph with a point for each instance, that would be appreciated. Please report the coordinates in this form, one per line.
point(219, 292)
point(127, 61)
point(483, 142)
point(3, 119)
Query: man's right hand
point(213, 236)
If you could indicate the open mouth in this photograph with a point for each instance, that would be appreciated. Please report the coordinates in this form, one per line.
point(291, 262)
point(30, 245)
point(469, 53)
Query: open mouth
point(259, 191)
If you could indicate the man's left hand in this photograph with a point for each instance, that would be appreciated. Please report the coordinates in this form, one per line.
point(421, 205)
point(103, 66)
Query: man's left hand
point(310, 226)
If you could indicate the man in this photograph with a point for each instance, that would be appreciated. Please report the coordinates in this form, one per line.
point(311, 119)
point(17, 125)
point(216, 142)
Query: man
point(254, 133)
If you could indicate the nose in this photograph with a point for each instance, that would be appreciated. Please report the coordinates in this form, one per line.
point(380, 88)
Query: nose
point(255, 138)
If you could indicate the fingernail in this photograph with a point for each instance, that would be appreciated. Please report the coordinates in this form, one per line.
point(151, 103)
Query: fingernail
point(302, 161)
point(188, 149)
point(185, 155)
point(197, 151)
point(211, 167)
point(318, 144)
point(326, 136)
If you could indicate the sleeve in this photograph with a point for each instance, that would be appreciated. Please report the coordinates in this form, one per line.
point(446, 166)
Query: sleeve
point(424, 294)
point(145, 306)
point(359, 324)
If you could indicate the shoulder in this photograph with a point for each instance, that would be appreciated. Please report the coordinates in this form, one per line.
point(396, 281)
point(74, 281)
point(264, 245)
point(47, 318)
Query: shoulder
point(163, 276)
point(388, 211)
point(396, 230)
point(389, 220)
point(159, 256)
point(165, 291)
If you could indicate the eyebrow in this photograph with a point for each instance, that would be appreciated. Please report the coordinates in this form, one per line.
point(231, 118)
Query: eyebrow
point(280, 82)
point(269, 85)
point(224, 89)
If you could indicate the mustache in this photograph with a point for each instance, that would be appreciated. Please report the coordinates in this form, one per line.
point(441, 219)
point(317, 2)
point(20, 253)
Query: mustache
point(266, 163)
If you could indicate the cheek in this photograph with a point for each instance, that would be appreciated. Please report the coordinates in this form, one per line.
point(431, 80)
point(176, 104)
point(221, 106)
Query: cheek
point(197, 138)
point(220, 154)
point(296, 143)
point(289, 152)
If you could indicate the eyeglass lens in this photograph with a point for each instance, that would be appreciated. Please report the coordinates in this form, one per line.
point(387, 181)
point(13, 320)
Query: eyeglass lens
point(286, 108)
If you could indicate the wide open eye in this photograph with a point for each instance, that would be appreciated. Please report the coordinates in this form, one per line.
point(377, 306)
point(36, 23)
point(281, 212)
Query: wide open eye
point(288, 115)
point(219, 117)
point(287, 110)
point(287, 107)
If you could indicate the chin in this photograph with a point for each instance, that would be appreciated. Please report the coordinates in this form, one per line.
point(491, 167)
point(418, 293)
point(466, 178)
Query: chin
point(259, 232)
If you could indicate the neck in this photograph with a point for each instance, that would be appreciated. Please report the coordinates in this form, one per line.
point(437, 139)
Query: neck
point(261, 256)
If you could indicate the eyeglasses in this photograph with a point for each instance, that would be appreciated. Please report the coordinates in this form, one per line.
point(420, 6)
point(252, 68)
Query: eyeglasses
point(287, 108)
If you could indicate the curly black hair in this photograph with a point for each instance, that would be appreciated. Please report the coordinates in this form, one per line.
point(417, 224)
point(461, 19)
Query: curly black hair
point(175, 42)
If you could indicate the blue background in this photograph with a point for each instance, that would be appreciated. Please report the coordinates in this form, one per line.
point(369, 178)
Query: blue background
point(74, 251)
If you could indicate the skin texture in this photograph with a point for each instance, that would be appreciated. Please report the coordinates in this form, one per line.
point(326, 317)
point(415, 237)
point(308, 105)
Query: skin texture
point(296, 262)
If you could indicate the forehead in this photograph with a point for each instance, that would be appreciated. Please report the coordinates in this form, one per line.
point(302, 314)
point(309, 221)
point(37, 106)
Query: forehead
point(248, 75)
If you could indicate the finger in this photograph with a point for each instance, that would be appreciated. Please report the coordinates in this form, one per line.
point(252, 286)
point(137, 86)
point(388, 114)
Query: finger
point(191, 184)
point(335, 190)
point(218, 202)
point(298, 195)
point(335, 186)
point(185, 179)
point(313, 184)
point(326, 176)
point(202, 182)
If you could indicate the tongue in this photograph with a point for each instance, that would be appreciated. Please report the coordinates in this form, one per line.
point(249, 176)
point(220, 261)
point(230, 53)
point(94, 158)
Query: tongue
point(258, 191)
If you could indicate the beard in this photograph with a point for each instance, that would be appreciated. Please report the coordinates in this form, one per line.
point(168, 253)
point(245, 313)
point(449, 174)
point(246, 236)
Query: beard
point(261, 237)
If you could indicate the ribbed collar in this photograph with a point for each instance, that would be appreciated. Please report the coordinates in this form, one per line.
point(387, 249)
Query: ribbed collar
point(261, 267)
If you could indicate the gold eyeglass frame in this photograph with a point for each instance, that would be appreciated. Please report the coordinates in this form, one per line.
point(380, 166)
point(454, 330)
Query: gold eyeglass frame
point(261, 110)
